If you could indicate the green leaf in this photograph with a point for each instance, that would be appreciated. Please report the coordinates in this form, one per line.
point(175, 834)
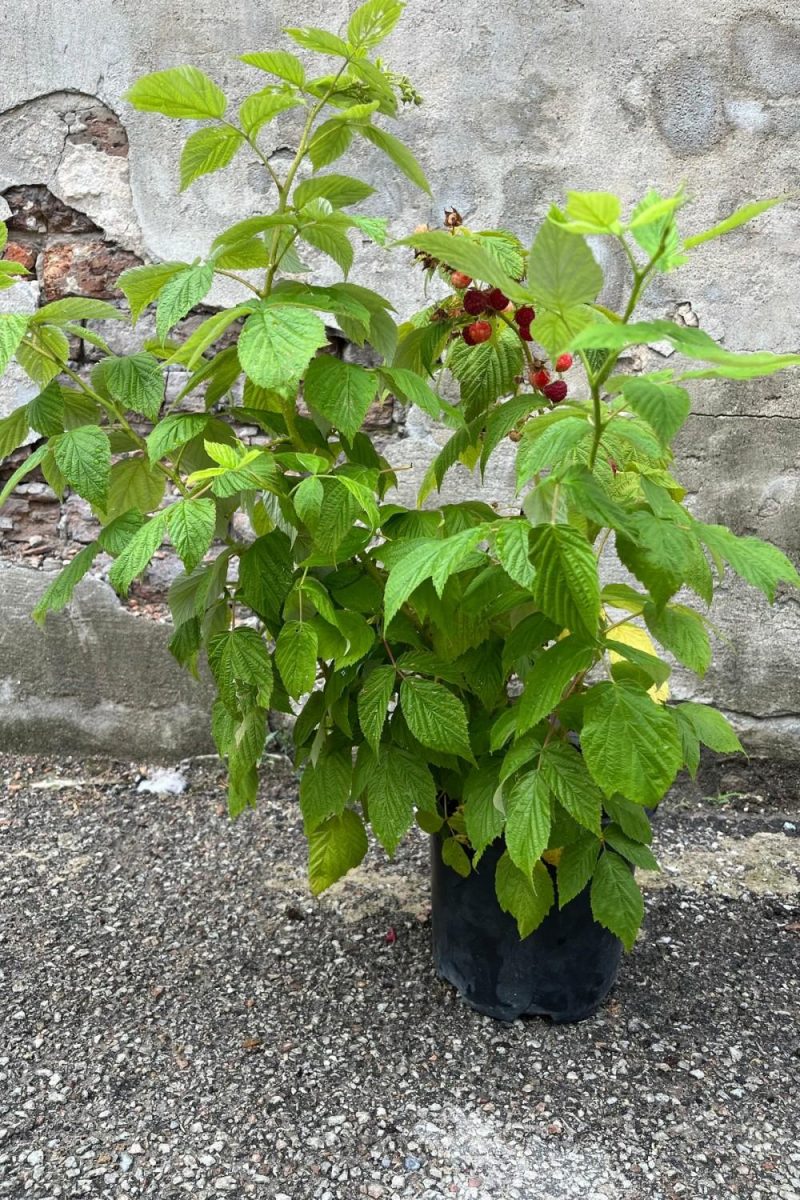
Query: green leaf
point(239, 660)
point(340, 190)
point(483, 819)
point(527, 898)
point(372, 22)
point(43, 353)
point(45, 413)
point(427, 558)
point(331, 140)
point(512, 546)
point(13, 430)
point(320, 40)
point(576, 867)
point(191, 527)
point(617, 902)
point(277, 343)
point(398, 782)
point(528, 820)
point(278, 62)
point(134, 484)
point(325, 788)
point(296, 656)
point(664, 406)
point(562, 271)
point(174, 431)
point(195, 346)
point(114, 537)
point(334, 848)
point(180, 295)
point(136, 382)
point(710, 727)
point(138, 553)
point(683, 632)
point(630, 817)
point(435, 716)
point(486, 371)
point(59, 593)
point(142, 285)
point(178, 92)
point(455, 857)
point(12, 331)
point(331, 239)
point(746, 213)
point(566, 587)
point(565, 773)
point(208, 150)
point(30, 463)
point(467, 254)
point(760, 564)
point(340, 391)
point(83, 455)
point(400, 155)
point(75, 308)
point(408, 386)
point(633, 851)
point(373, 703)
point(630, 743)
point(552, 672)
point(592, 212)
point(263, 107)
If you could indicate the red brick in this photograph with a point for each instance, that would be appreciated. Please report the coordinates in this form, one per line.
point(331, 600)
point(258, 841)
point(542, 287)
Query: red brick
point(89, 268)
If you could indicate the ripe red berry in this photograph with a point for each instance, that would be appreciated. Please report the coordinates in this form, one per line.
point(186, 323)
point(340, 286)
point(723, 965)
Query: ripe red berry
point(556, 391)
point(477, 332)
point(563, 362)
point(524, 332)
point(496, 299)
point(474, 302)
point(539, 379)
point(459, 280)
point(524, 315)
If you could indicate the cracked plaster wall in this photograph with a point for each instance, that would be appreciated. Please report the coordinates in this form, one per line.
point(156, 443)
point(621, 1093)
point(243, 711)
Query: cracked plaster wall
point(521, 103)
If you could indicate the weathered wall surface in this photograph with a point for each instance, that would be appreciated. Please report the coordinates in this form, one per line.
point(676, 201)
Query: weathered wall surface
point(521, 102)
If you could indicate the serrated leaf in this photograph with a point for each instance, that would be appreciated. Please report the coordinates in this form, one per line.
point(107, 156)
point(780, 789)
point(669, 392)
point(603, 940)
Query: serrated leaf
point(710, 727)
point(262, 107)
point(373, 703)
point(59, 593)
point(12, 331)
point(136, 382)
point(75, 308)
point(45, 414)
point(178, 92)
point(576, 867)
point(617, 902)
point(134, 484)
point(13, 430)
point(630, 817)
point(527, 820)
point(191, 528)
point(547, 444)
point(372, 22)
point(683, 632)
point(562, 271)
point(330, 237)
point(330, 141)
point(527, 898)
point(469, 254)
point(486, 371)
point(664, 406)
point(760, 564)
point(319, 40)
point(340, 391)
point(83, 455)
point(566, 775)
point(340, 190)
point(277, 343)
point(138, 553)
point(427, 558)
point(483, 819)
point(334, 848)
point(633, 851)
point(408, 386)
point(512, 546)
point(31, 462)
point(566, 587)
point(738, 218)
point(592, 212)
point(278, 62)
point(174, 431)
point(239, 659)
point(546, 682)
point(325, 787)
point(398, 782)
point(400, 155)
point(630, 743)
point(435, 716)
point(455, 857)
point(43, 353)
point(180, 295)
point(114, 537)
point(142, 285)
point(296, 656)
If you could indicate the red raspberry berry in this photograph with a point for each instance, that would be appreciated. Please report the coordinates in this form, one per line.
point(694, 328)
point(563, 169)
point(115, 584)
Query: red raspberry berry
point(539, 379)
point(477, 332)
point(496, 299)
point(459, 280)
point(556, 391)
point(524, 332)
point(524, 315)
point(563, 362)
point(475, 302)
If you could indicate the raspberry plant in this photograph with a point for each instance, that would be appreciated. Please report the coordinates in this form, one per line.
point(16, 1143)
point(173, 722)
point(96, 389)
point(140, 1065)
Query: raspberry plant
point(448, 665)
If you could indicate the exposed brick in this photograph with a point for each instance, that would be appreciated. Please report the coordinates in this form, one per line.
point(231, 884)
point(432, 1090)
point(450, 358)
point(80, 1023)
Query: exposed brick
point(102, 129)
point(21, 252)
point(87, 268)
point(34, 209)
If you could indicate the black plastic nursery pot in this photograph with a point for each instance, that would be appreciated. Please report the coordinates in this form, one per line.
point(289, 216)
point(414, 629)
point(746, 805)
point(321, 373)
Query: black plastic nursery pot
point(564, 970)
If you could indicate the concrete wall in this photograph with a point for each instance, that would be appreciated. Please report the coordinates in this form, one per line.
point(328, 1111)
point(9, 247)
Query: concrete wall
point(521, 102)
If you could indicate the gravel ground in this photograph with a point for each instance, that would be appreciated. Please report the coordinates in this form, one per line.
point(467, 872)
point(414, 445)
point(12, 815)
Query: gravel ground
point(180, 1018)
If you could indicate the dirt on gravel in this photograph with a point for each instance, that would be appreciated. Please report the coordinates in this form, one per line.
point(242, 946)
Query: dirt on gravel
point(181, 1018)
